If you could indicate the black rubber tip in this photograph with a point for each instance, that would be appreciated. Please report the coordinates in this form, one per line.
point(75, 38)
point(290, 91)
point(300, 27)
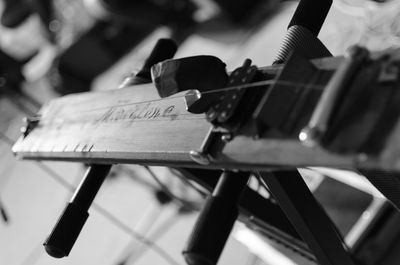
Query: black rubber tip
point(211, 231)
point(194, 259)
point(54, 251)
point(311, 14)
point(66, 231)
point(4, 214)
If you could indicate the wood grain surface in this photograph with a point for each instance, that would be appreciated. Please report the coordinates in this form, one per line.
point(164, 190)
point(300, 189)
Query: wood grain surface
point(134, 125)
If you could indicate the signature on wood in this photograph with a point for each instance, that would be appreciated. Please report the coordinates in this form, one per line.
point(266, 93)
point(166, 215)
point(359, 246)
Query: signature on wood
point(139, 112)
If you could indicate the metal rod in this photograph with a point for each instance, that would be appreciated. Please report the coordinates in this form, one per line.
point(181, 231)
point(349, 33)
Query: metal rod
point(308, 217)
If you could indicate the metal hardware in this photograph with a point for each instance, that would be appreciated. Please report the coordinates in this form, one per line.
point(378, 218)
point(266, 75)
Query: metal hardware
point(191, 97)
point(30, 124)
point(201, 156)
point(389, 72)
point(227, 137)
point(226, 108)
point(291, 102)
point(312, 134)
point(307, 216)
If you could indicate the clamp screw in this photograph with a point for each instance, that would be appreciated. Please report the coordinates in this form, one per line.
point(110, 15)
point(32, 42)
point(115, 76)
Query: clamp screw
point(199, 157)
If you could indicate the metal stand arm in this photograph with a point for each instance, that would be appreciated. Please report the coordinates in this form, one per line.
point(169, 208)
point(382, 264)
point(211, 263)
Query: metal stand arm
point(307, 216)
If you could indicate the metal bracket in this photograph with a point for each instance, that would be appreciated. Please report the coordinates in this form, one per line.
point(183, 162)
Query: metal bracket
point(307, 216)
point(225, 107)
point(318, 125)
point(202, 156)
point(30, 124)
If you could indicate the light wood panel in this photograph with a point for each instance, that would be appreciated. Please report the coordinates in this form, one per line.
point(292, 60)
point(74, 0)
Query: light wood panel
point(133, 125)
point(112, 127)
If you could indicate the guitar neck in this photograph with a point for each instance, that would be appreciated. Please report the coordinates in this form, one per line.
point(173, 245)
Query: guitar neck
point(134, 125)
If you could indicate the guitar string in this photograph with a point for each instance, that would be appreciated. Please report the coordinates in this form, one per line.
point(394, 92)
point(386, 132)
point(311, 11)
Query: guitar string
point(104, 212)
point(238, 87)
point(253, 85)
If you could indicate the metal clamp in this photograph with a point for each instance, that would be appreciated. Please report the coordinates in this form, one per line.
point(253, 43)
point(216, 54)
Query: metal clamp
point(30, 124)
point(202, 155)
point(318, 125)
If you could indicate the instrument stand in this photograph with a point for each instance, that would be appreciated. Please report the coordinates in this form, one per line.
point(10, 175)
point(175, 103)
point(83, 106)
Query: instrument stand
point(307, 216)
point(288, 188)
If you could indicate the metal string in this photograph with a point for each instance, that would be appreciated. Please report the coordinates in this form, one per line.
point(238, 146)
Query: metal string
point(238, 87)
point(189, 116)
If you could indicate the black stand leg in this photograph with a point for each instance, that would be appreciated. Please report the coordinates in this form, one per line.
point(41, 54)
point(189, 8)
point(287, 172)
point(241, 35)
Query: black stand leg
point(216, 220)
point(71, 222)
point(307, 216)
point(3, 212)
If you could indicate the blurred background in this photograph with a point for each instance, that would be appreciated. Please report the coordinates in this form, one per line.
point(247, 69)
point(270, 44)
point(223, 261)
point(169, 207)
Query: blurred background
point(54, 48)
